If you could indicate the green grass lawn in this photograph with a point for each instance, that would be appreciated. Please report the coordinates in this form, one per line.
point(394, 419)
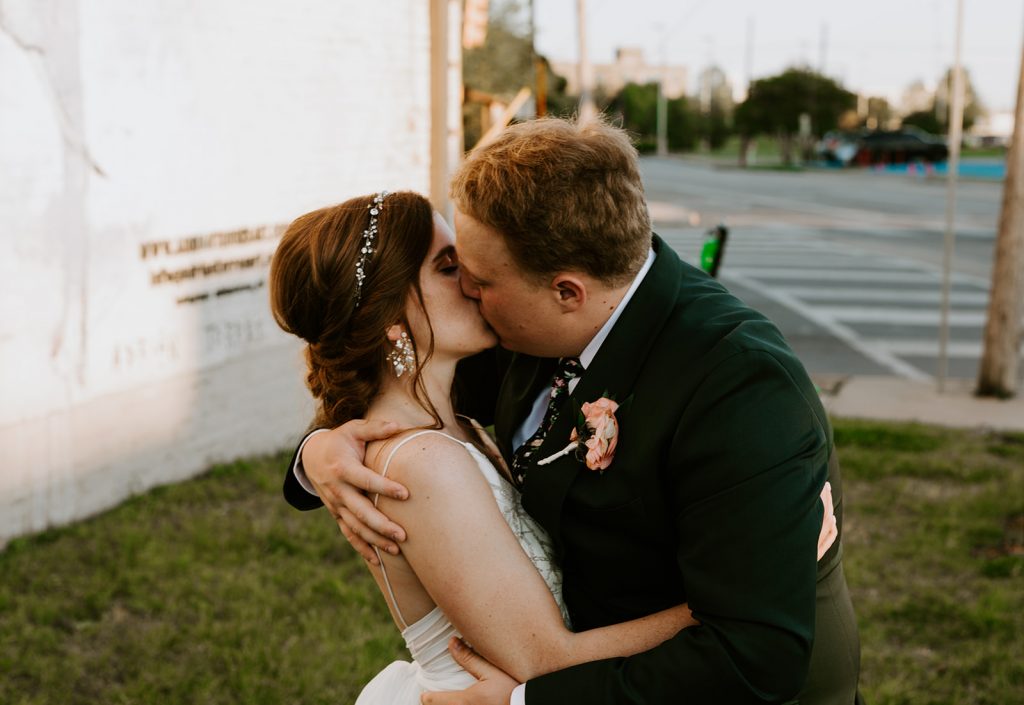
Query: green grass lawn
point(214, 591)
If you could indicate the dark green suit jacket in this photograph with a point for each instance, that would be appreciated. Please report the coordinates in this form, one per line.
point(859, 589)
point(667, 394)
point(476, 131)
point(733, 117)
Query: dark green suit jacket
point(712, 499)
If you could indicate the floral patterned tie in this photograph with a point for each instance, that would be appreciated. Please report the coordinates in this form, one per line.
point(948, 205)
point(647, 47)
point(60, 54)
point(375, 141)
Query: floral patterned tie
point(569, 368)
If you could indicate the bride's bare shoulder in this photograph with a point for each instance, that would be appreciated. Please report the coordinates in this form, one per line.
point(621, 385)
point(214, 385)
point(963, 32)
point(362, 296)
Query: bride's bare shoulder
point(413, 451)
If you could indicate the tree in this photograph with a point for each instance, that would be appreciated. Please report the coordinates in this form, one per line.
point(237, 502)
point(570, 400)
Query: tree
point(682, 125)
point(935, 118)
point(716, 107)
point(636, 106)
point(941, 105)
point(714, 127)
point(879, 113)
point(998, 375)
point(926, 120)
point(774, 106)
point(504, 64)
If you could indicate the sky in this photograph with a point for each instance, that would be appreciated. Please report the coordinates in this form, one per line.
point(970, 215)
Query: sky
point(877, 47)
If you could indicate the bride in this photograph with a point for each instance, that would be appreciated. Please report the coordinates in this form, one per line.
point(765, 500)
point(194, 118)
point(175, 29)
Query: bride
point(372, 285)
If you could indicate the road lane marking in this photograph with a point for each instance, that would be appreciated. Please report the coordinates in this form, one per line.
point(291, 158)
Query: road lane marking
point(860, 275)
point(814, 295)
point(838, 330)
point(899, 316)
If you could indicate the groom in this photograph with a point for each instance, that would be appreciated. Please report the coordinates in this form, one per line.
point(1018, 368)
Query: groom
point(712, 496)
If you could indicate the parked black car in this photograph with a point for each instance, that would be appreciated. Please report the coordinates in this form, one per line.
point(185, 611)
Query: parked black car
point(838, 146)
point(899, 146)
point(907, 144)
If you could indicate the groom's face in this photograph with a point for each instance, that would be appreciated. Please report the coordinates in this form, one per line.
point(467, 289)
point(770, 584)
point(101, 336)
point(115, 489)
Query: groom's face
point(522, 311)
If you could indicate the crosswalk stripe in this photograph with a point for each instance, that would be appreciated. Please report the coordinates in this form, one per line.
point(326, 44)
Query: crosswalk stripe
point(879, 355)
point(814, 295)
point(864, 275)
point(901, 316)
point(928, 348)
point(813, 262)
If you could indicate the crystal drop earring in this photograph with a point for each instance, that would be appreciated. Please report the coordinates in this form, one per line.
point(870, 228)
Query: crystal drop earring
point(402, 358)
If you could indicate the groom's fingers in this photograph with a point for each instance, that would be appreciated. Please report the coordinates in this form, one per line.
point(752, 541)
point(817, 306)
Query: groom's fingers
point(362, 548)
point(473, 662)
point(372, 483)
point(493, 685)
point(826, 497)
point(447, 697)
point(829, 527)
point(370, 523)
point(371, 538)
point(352, 469)
point(368, 430)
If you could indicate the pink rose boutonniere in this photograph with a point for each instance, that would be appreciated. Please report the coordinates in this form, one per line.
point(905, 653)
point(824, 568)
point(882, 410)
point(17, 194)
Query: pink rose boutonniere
point(595, 436)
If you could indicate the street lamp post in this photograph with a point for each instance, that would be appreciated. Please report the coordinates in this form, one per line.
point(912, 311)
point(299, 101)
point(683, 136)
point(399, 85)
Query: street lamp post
point(662, 114)
point(956, 120)
point(587, 107)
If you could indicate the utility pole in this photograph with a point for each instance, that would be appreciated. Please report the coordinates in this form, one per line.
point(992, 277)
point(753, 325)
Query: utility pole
point(587, 108)
point(956, 124)
point(662, 114)
point(999, 373)
point(822, 48)
point(540, 71)
point(748, 59)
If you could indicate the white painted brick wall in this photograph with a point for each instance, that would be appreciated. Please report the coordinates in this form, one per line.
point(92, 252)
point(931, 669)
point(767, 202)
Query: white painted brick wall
point(126, 123)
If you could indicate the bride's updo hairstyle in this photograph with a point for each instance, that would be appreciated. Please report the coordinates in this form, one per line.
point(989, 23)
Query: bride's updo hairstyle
point(314, 294)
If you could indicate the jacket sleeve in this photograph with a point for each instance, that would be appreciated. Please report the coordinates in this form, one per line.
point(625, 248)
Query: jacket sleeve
point(295, 494)
point(477, 380)
point(743, 477)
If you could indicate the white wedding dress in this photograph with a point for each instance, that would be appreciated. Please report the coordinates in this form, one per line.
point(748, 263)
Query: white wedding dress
point(432, 667)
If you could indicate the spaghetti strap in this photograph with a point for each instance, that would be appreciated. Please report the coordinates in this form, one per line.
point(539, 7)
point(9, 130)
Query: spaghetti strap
point(384, 473)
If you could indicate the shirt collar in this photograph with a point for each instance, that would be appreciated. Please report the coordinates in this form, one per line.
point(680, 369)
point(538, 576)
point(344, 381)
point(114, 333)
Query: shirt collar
point(590, 352)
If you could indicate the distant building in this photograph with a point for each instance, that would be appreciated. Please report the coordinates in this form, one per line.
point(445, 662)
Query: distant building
point(714, 90)
point(630, 67)
point(916, 98)
point(994, 129)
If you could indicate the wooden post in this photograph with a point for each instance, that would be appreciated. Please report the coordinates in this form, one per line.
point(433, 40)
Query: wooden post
point(445, 98)
point(541, 70)
point(586, 72)
point(955, 132)
point(999, 374)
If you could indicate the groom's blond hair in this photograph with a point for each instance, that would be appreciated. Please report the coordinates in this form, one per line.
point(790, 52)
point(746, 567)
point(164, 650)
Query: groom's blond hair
point(563, 195)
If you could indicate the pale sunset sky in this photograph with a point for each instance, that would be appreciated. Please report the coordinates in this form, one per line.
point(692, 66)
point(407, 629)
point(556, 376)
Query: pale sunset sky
point(873, 46)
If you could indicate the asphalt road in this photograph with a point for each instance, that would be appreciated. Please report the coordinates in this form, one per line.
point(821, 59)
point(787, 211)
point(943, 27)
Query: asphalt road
point(847, 263)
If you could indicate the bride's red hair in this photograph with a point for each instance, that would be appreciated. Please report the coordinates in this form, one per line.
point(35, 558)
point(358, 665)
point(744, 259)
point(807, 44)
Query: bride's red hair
point(313, 296)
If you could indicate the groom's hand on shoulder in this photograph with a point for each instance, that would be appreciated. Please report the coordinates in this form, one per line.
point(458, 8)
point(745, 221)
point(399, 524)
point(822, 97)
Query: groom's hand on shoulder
point(493, 686)
point(333, 461)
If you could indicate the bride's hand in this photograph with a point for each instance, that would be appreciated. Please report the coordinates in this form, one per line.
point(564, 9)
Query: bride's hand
point(829, 528)
point(333, 462)
point(493, 686)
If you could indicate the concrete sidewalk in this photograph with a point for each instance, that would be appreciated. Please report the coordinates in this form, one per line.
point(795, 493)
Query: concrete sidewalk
point(897, 399)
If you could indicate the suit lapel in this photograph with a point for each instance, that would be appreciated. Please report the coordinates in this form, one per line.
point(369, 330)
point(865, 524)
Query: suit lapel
point(612, 373)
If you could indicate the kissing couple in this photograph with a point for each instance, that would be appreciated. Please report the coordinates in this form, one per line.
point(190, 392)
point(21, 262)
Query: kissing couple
point(652, 520)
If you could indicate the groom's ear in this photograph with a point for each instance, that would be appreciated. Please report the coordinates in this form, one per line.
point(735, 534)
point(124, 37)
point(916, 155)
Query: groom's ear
point(570, 290)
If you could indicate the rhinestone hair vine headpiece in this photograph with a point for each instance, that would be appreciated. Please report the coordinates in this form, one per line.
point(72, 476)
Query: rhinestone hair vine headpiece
point(369, 236)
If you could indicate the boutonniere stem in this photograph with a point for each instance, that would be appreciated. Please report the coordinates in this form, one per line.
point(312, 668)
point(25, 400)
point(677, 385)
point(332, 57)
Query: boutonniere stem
point(595, 437)
point(565, 451)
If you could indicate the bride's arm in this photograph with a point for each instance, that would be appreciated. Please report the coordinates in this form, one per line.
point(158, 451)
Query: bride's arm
point(467, 558)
